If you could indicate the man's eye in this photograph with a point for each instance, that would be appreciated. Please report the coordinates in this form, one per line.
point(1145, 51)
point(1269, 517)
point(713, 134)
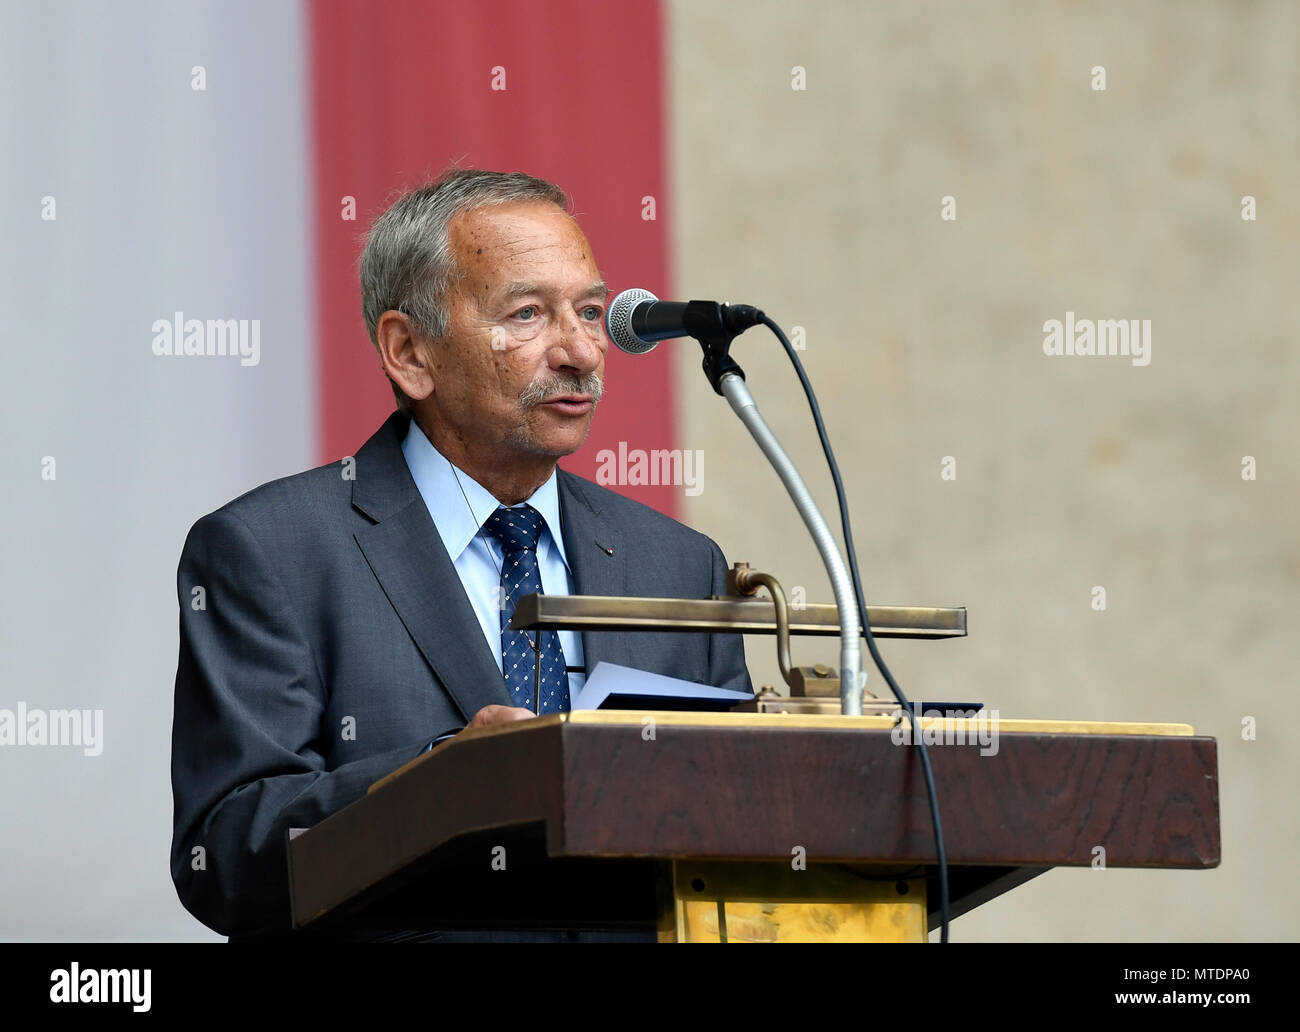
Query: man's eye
point(526, 313)
point(592, 312)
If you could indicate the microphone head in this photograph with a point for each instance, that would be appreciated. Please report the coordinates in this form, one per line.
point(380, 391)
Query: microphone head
point(618, 321)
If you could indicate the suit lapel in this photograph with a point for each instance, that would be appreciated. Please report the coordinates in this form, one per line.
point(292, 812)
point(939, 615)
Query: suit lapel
point(597, 553)
point(406, 555)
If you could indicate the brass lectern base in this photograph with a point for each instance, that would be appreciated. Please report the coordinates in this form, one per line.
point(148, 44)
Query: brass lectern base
point(762, 901)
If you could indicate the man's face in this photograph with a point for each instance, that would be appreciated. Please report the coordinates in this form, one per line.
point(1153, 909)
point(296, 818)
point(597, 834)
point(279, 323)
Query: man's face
point(521, 366)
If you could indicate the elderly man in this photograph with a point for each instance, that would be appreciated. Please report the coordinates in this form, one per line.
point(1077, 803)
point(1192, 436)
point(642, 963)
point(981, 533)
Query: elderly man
point(352, 615)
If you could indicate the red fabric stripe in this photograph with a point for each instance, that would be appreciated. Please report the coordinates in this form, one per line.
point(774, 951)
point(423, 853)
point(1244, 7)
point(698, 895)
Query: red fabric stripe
point(402, 88)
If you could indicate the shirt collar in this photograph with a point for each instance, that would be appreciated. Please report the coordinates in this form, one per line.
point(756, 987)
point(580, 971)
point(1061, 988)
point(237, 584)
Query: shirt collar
point(441, 485)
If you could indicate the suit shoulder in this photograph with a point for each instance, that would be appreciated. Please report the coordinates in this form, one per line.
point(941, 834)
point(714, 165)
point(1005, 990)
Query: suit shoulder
point(299, 496)
point(632, 514)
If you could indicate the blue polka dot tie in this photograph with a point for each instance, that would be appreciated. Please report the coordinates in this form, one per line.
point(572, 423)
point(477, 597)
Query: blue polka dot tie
point(544, 688)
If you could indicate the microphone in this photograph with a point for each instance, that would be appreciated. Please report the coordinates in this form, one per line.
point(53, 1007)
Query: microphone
point(637, 320)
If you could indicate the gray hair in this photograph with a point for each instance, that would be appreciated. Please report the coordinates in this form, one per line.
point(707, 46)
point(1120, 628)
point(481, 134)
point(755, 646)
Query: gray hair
point(407, 264)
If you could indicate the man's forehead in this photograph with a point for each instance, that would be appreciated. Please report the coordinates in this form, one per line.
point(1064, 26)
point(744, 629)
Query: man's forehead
point(500, 245)
point(496, 224)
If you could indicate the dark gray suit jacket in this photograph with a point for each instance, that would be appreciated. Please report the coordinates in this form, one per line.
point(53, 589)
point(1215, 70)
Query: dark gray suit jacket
point(332, 640)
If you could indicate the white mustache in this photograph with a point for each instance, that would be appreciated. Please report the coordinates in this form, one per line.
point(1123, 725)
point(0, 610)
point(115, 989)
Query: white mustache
point(540, 390)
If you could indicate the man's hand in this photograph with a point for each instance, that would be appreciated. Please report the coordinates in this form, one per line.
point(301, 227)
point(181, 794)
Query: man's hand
point(500, 715)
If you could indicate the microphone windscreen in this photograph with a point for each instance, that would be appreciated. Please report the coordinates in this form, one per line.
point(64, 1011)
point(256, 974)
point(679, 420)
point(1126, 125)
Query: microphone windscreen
point(618, 321)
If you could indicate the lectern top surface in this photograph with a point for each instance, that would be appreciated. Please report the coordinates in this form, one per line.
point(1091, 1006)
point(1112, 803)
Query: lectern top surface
point(812, 721)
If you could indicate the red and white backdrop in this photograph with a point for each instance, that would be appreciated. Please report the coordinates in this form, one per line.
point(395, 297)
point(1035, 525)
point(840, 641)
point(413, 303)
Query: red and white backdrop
point(195, 158)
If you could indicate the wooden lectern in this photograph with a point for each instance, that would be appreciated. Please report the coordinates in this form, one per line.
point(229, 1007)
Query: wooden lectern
point(748, 826)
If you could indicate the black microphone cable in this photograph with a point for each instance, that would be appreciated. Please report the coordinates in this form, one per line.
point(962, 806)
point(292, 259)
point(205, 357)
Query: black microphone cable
point(712, 323)
point(917, 738)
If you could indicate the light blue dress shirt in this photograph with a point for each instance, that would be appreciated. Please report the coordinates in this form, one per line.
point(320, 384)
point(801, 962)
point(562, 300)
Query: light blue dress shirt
point(460, 505)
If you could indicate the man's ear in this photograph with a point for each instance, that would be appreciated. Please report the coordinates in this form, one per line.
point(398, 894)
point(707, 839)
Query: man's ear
point(403, 354)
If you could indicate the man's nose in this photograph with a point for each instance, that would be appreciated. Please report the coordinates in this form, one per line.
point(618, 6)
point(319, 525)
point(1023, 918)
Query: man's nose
point(579, 344)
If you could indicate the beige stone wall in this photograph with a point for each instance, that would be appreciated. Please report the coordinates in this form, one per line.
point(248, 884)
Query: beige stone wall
point(925, 340)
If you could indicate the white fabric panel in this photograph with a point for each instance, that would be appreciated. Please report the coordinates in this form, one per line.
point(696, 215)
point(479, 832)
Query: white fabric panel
point(167, 199)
